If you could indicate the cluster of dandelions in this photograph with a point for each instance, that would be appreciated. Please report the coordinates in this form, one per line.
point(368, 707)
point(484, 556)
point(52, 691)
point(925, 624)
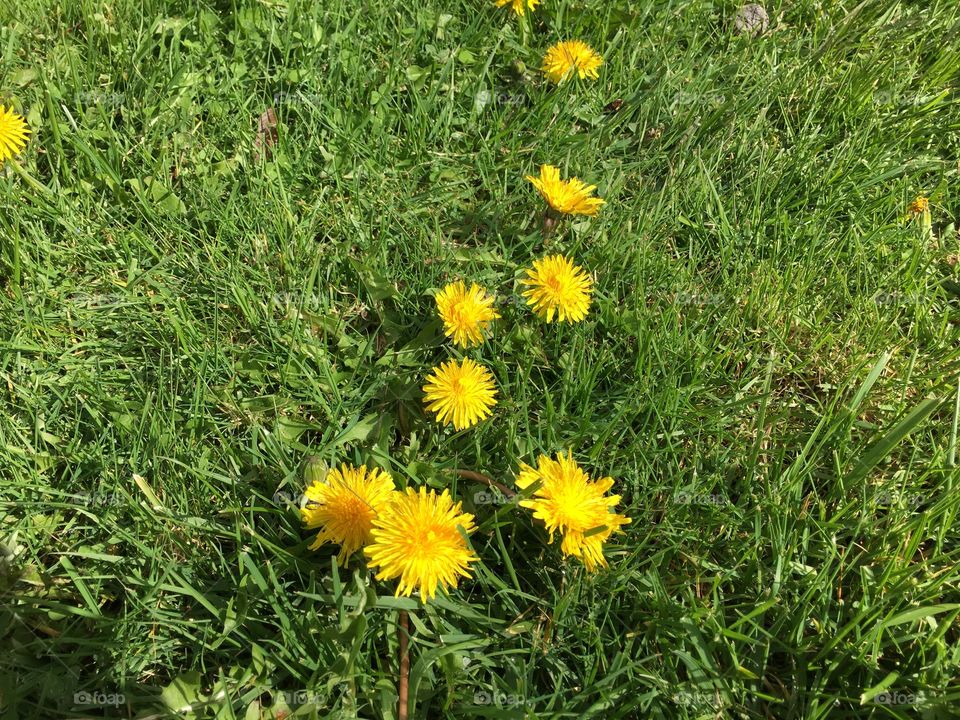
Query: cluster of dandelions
point(463, 393)
point(420, 537)
point(415, 537)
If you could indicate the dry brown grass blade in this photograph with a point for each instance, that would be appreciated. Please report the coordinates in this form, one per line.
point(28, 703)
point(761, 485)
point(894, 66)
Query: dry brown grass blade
point(267, 134)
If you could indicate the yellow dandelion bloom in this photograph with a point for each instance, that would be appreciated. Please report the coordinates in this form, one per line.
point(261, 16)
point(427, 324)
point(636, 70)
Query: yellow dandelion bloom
point(558, 287)
point(520, 7)
point(465, 313)
point(568, 502)
point(573, 56)
point(344, 505)
point(13, 133)
point(417, 537)
point(460, 393)
point(919, 206)
point(570, 197)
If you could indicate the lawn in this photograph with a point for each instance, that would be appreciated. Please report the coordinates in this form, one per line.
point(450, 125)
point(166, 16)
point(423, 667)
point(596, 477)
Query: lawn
point(205, 305)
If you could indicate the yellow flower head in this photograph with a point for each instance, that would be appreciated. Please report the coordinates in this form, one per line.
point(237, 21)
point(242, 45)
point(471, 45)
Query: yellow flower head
point(519, 6)
point(569, 502)
point(558, 287)
point(465, 313)
point(462, 394)
point(919, 206)
point(344, 505)
point(571, 197)
point(417, 538)
point(13, 133)
point(565, 58)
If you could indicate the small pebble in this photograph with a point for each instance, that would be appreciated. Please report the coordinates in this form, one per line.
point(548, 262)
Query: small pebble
point(751, 19)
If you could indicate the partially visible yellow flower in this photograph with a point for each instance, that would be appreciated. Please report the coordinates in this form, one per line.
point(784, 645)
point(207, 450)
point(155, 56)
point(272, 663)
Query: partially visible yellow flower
point(460, 393)
point(571, 197)
point(13, 133)
point(568, 502)
point(344, 505)
point(520, 7)
point(572, 56)
point(558, 287)
point(417, 537)
point(465, 313)
point(919, 205)
point(920, 209)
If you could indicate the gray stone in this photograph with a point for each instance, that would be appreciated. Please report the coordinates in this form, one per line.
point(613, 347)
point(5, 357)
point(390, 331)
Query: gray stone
point(751, 19)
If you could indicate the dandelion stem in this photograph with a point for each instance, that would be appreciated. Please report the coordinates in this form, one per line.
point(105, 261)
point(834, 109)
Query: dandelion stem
point(403, 634)
point(952, 452)
point(470, 475)
point(16, 262)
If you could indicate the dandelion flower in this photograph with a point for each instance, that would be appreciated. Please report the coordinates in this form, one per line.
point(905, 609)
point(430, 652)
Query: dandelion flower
point(570, 197)
point(520, 7)
point(558, 287)
point(919, 206)
point(344, 505)
point(568, 502)
point(919, 210)
point(465, 313)
point(417, 537)
point(460, 393)
point(573, 56)
point(13, 133)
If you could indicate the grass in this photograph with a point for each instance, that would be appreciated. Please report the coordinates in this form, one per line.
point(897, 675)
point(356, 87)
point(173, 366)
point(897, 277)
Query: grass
point(769, 370)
